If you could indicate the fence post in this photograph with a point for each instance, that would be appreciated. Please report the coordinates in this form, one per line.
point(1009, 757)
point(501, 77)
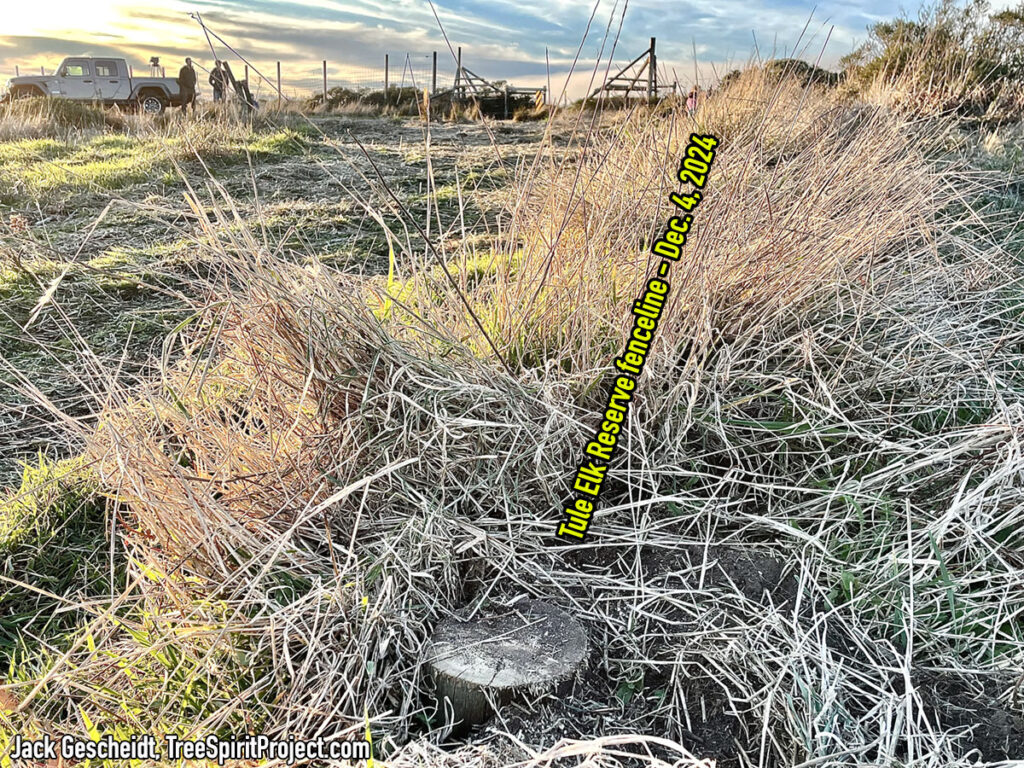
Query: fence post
point(385, 77)
point(458, 69)
point(652, 74)
point(547, 64)
point(17, 72)
point(42, 71)
point(325, 81)
point(247, 73)
point(433, 76)
point(279, 85)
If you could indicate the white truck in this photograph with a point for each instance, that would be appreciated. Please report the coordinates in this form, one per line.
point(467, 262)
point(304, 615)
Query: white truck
point(105, 81)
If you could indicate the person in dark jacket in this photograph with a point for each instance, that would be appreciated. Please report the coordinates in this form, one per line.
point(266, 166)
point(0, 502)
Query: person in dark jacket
point(219, 80)
point(187, 86)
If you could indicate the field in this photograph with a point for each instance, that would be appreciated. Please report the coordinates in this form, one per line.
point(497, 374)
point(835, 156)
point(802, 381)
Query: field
point(113, 244)
point(279, 398)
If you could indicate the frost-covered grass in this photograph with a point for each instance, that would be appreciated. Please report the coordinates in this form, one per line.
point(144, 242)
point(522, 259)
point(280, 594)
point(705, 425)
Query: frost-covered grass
point(809, 550)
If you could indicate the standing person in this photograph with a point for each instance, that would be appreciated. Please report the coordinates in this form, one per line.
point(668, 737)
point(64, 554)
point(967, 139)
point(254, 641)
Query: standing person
point(187, 86)
point(218, 79)
point(691, 100)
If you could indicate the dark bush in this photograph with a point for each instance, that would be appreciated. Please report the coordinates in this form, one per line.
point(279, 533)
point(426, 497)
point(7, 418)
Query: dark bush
point(804, 72)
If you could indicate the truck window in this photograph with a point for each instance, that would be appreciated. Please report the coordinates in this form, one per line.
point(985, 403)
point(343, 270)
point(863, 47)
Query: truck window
point(106, 69)
point(76, 69)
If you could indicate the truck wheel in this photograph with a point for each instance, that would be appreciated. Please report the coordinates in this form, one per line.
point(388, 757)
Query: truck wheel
point(26, 92)
point(151, 104)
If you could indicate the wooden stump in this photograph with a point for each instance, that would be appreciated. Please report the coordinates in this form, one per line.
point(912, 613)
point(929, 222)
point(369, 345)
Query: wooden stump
point(531, 648)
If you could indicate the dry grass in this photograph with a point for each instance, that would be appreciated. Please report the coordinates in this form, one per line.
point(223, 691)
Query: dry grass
point(808, 191)
point(66, 120)
point(334, 464)
point(72, 121)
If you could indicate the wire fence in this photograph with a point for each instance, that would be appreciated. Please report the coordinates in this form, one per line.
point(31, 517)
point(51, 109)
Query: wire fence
point(404, 71)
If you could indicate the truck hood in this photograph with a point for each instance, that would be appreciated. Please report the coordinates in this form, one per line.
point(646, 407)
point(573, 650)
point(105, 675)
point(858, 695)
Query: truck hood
point(47, 84)
point(37, 80)
point(31, 80)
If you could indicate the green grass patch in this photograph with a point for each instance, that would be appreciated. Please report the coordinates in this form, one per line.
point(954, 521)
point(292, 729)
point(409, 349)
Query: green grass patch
point(42, 169)
point(52, 539)
point(39, 149)
point(285, 142)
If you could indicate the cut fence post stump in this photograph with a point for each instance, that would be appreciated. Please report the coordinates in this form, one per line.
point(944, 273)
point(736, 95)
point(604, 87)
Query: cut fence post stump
point(531, 648)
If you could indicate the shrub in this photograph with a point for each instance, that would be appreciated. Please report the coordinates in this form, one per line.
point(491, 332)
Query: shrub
point(802, 71)
point(955, 57)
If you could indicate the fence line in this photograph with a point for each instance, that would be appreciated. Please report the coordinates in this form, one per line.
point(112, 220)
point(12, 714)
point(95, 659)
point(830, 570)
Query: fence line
point(421, 71)
point(407, 70)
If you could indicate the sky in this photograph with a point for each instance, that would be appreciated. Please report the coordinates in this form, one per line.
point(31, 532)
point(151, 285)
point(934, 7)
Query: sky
point(522, 41)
